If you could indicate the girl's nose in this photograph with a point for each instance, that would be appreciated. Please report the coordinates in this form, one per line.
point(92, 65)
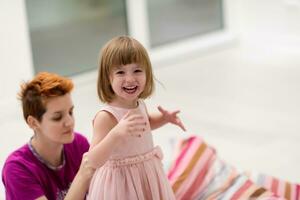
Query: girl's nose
point(130, 78)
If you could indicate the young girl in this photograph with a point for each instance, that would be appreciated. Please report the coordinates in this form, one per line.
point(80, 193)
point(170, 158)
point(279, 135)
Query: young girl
point(133, 169)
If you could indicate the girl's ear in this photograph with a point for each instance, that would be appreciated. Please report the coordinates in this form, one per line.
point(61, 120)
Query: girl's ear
point(110, 79)
point(32, 122)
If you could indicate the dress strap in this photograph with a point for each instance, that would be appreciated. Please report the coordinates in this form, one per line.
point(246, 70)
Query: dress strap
point(110, 110)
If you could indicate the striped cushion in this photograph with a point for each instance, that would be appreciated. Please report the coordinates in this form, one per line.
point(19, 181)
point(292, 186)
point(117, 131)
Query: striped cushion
point(198, 173)
point(279, 187)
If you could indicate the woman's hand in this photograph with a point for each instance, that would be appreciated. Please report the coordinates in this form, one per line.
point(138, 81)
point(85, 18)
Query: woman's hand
point(81, 182)
point(171, 117)
point(86, 170)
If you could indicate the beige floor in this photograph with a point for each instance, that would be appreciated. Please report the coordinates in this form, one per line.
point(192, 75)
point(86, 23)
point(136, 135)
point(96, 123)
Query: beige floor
point(243, 99)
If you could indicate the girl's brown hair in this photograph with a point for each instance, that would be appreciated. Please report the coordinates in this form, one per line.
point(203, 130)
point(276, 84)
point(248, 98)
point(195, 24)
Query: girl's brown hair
point(35, 93)
point(119, 51)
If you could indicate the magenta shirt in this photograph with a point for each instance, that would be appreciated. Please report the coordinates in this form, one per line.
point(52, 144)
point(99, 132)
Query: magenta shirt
point(25, 177)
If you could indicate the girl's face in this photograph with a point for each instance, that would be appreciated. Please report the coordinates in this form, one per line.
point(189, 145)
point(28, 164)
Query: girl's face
point(57, 123)
point(128, 82)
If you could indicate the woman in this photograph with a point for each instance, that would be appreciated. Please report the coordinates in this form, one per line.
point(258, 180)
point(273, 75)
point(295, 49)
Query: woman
point(53, 164)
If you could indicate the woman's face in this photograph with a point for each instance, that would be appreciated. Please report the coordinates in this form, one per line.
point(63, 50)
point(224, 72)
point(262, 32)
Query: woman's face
point(57, 123)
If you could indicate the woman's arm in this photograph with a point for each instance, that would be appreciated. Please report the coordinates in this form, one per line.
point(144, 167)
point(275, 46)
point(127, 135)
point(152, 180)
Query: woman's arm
point(81, 182)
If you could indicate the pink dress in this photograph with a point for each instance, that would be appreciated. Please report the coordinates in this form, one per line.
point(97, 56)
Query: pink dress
point(134, 170)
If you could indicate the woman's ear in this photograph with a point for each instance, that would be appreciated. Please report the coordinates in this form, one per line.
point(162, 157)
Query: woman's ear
point(32, 122)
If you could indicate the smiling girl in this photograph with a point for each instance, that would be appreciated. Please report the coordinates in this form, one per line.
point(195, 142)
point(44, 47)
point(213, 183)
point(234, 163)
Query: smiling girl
point(133, 169)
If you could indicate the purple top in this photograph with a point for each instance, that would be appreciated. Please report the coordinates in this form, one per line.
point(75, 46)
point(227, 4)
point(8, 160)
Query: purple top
point(26, 177)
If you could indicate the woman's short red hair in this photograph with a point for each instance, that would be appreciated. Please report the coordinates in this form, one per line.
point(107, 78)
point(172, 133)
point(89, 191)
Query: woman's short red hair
point(35, 93)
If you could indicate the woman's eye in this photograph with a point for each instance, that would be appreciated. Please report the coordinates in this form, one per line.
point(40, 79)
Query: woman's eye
point(71, 113)
point(57, 118)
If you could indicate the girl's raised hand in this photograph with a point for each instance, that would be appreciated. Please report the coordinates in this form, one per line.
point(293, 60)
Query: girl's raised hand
point(132, 124)
point(171, 117)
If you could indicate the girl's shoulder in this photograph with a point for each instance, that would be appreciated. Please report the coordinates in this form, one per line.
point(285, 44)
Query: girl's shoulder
point(105, 113)
point(104, 117)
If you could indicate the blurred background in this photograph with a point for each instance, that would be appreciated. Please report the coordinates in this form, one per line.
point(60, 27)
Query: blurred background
point(231, 66)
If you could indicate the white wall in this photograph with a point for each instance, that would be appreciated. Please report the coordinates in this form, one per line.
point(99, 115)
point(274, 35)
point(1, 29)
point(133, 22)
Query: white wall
point(270, 27)
point(15, 66)
point(267, 20)
point(15, 54)
point(262, 90)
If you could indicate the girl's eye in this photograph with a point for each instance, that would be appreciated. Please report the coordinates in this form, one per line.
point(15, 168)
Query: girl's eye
point(120, 72)
point(71, 112)
point(138, 70)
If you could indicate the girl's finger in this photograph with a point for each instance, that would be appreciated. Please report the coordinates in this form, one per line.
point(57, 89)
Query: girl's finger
point(161, 109)
point(136, 117)
point(126, 115)
point(135, 129)
point(176, 112)
point(182, 126)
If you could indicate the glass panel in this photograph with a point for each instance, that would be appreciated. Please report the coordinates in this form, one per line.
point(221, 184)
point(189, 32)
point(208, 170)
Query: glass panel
point(172, 20)
point(66, 36)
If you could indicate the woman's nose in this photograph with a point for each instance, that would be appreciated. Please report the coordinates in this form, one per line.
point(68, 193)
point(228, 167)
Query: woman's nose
point(69, 121)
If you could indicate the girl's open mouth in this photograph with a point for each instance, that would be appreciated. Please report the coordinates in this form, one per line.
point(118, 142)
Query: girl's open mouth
point(130, 89)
